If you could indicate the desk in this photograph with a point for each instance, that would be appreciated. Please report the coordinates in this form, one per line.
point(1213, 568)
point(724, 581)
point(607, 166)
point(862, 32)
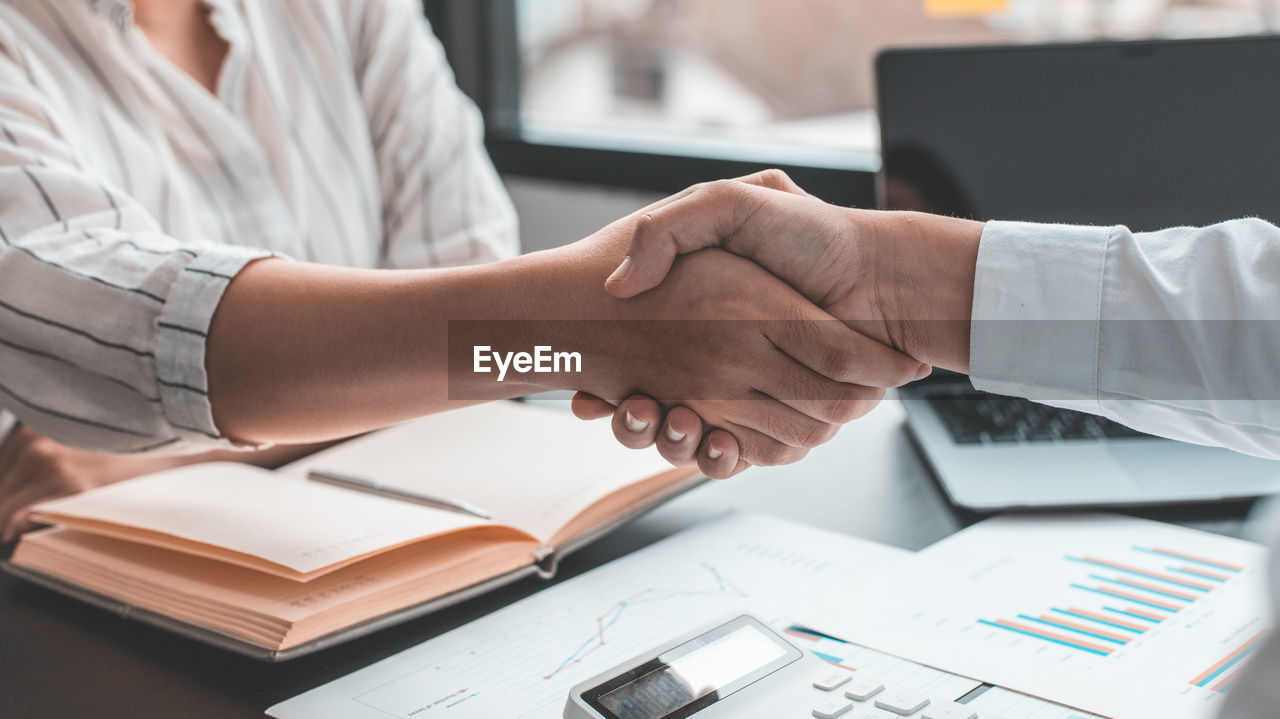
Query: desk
point(59, 658)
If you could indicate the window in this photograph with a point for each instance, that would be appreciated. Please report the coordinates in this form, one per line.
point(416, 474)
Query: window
point(796, 76)
point(657, 94)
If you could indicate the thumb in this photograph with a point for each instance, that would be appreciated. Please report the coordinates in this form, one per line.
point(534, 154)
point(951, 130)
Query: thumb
point(647, 262)
point(690, 224)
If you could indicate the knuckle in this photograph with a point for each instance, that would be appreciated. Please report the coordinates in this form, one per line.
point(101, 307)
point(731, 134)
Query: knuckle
point(796, 455)
point(713, 187)
point(47, 461)
point(723, 191)
point(827, 433)
point(778, 455)
point(904, 373)
point(775, 178)
point(780, 429)
point(848, 410)
point(646, 228)
point(771, 456)
point(839, 363)
point(797, 431)
point(813, 433)
point(42, 447)
point(857, 409)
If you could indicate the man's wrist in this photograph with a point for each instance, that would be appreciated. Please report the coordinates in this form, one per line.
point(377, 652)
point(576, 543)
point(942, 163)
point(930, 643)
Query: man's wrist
point(924, 268)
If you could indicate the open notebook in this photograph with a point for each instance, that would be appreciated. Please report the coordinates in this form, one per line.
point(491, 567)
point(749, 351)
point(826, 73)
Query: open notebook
point(274, 565)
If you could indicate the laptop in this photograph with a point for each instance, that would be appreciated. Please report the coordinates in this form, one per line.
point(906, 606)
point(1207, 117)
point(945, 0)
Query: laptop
point(1146, 134)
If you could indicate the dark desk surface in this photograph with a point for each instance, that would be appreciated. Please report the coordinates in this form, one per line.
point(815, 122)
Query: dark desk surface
point(59, 658)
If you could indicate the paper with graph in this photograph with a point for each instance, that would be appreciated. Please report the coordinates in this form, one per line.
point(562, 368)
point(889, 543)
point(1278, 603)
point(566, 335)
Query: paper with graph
point(522, 661)
point(1122, 617)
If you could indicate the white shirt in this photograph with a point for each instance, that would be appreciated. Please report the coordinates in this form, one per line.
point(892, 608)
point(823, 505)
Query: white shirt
point(130, 195)
point(1175, 333)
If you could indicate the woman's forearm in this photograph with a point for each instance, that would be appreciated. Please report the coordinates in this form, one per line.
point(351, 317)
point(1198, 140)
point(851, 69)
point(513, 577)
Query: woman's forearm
point(301, 353)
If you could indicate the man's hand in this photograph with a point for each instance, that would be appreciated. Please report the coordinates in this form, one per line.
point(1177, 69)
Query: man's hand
point(742, 351)
point(905, 279)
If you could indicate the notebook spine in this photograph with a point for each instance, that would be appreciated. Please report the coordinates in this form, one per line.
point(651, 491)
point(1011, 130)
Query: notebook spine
point(546, 561)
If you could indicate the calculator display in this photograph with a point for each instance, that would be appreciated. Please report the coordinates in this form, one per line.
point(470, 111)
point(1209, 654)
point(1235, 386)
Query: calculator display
point(693, 676)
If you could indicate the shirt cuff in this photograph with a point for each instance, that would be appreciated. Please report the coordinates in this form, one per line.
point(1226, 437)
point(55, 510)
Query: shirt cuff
point(182, 333)
point(1037, 301)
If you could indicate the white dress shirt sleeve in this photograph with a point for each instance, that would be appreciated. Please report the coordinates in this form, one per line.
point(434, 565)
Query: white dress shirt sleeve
point(443, 203)
point(103, 317)
point(1175, 333)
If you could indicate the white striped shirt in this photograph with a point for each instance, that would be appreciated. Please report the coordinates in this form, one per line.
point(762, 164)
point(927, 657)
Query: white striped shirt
point(130, 194)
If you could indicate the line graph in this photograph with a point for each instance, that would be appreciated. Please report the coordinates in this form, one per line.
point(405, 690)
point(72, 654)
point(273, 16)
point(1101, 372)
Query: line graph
point(522, 660)
point(610, 618)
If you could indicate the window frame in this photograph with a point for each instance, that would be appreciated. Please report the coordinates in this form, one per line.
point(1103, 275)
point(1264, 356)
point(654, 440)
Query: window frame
point(480, 38)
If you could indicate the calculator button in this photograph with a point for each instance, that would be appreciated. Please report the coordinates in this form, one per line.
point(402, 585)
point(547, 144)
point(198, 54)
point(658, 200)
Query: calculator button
point(869, 713)
point(863, 689)
point(832, 708)
point(948, 710)
point(832, 682)
point(901, 702)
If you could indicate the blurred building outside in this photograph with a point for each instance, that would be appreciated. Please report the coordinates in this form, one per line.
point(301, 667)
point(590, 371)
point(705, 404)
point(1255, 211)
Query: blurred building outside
point(793, 73)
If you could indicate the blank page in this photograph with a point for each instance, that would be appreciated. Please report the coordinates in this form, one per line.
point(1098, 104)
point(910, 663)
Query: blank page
point(532, 468)
point(253, 517)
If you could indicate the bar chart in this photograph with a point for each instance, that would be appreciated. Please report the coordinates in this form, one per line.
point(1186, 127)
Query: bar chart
point(1115, 600)
point(1218, 678)
point(1077, 610)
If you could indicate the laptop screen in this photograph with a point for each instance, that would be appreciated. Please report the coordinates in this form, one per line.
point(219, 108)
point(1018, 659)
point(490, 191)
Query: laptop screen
point(1147, 134)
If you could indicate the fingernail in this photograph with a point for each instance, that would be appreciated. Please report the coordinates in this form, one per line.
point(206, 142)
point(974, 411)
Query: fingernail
point(634, 424)
point(623, 270)
point(675, 436)
point(714, 453)
point(924, 371)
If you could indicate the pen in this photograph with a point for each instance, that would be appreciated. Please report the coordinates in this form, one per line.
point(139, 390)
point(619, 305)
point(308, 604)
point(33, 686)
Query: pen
point(364, 485)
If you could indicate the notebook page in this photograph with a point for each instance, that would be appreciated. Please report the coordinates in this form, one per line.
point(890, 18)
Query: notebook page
point(298, 529)
point(174, 583)
point(530, 467)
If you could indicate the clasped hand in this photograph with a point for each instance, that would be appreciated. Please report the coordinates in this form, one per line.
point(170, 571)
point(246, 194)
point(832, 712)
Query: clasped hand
point(836, 258)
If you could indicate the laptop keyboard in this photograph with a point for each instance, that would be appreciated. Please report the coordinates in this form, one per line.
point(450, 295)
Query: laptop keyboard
point(978, 418)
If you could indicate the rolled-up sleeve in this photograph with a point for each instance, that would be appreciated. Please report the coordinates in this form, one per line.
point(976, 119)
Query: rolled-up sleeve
point(1176, 333)
point(103, 317)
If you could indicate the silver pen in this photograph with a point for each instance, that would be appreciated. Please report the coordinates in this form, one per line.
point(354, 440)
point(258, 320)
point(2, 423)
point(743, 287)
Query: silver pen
point(360, 484)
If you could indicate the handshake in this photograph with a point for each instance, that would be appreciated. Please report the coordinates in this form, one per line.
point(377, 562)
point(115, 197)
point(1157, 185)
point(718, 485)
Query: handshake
point(771, 318)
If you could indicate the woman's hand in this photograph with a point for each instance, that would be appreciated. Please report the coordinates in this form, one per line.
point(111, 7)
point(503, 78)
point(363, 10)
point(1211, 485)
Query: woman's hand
point(34, 468)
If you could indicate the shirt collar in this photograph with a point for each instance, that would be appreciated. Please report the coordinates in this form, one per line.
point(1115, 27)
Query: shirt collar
point(120, 12)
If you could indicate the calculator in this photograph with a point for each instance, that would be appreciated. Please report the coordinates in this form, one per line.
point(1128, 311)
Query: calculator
point(737, 668)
